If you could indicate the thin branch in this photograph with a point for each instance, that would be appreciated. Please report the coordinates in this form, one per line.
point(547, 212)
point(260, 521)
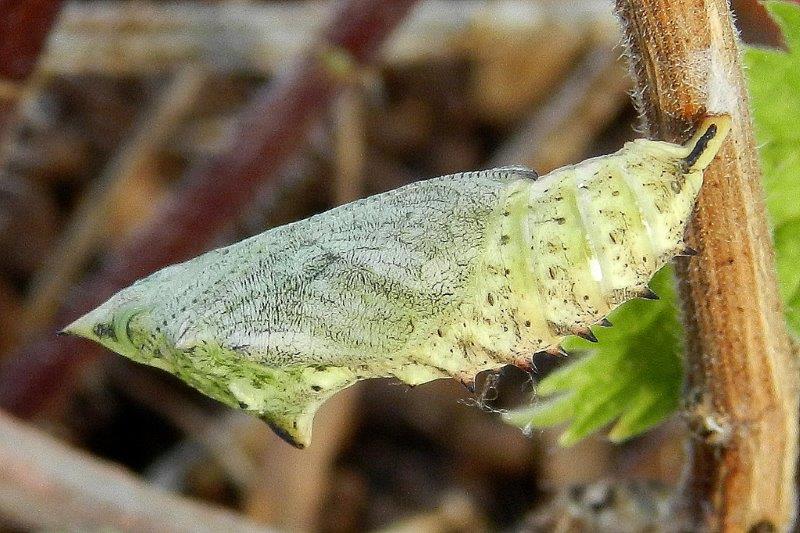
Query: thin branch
point(566, 124)
point(291, 484)
point(742, 377)
point(85, 229)
point(114, 39)
point(23, 30)
point(45, 484)
point(271, 130)
point(24, 26)
point(350, 146)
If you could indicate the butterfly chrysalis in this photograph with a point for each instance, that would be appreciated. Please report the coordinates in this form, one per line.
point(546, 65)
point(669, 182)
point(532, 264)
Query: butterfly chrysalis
point(445, 277)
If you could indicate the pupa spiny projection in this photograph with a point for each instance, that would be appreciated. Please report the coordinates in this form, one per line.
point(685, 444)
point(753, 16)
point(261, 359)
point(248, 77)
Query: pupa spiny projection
point(445, 277)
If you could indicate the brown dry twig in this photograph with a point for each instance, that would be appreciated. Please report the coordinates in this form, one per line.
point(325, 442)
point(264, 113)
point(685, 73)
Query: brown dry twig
point(742, 377)
point(565, 125)
point(24, 26)
point(72, 490)
point(85, 229)
point(113, 38)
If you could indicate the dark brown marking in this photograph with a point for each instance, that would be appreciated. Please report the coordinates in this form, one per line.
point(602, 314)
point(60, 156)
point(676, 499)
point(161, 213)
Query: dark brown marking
point(648, 294)
point(701, 145)
point(584, 333)
point(763, 526)
point(104, 330)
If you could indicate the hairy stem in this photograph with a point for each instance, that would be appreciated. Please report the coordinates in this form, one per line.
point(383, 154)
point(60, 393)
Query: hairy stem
point(742, 379)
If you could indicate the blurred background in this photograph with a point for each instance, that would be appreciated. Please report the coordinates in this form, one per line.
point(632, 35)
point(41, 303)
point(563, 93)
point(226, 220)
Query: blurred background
point(136, 134)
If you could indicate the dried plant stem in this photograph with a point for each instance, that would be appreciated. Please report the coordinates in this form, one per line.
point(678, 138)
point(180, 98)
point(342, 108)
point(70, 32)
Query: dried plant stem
point(566, 124)
point(350, 145)
point(85, 229)
point(46, 485)
point(112, 39)
point(742, 377)
point(24, 26)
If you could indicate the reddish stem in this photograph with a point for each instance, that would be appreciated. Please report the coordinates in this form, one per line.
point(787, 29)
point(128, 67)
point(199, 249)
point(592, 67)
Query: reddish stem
point(24, 27)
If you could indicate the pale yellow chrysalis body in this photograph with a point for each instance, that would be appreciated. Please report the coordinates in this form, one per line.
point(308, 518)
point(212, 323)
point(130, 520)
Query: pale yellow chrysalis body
point(447, 277)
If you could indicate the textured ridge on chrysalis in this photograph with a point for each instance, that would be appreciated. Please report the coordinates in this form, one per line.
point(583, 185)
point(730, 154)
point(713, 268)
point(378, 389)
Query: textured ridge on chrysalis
point(445, 277)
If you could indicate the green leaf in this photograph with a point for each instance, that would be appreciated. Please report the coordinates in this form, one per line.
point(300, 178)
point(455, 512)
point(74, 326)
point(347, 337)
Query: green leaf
point(634, 374)
point(774, 83)
point(787, 250)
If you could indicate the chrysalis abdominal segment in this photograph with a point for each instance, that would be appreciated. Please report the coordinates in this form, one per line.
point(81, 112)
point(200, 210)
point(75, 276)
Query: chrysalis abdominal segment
point(445, 277)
